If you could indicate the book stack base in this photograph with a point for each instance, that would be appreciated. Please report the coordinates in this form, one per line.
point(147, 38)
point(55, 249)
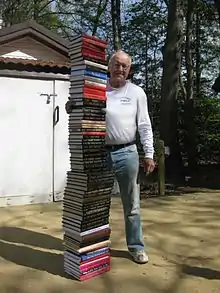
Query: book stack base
point(87, 195)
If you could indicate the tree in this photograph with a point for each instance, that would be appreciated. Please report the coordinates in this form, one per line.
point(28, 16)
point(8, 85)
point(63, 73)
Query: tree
point(170, 86)
point(190, 129)
point(217, 4)
point(116, 23)
point(216, 85)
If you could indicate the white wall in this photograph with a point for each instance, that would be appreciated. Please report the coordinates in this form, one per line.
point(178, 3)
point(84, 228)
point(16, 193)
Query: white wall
point(26, 141)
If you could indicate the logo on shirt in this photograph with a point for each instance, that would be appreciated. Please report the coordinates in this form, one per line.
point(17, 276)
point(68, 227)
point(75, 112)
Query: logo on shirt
point(125, 100)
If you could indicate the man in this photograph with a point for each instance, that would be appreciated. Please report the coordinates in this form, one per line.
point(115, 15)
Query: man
point(127, 112)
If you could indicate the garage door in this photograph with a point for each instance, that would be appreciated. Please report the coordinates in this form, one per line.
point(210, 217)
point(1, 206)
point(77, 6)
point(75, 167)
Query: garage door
point(26, 141)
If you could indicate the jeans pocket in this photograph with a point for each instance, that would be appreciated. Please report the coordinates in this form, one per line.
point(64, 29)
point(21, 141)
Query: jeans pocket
point(132, 148)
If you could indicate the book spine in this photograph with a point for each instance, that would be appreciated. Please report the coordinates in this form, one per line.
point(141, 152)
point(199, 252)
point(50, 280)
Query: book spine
point(95, 79)
point(94, 230)
point(94, 263)
point(94, 246)
point(93, 274)
point(95, 255)
point(94, 97)
point(94, 41)
point(93, 133)
point(97, 65)
point(94, 57)
point(96, 74)
point(96, 86)
point(93, 52)
point(93, 92)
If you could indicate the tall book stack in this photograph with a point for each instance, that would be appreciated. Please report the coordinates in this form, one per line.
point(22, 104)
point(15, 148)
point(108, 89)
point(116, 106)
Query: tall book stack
point(87, 195)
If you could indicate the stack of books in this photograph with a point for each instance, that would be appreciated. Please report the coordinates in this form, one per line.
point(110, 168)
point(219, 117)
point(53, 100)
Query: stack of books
point(87, 196)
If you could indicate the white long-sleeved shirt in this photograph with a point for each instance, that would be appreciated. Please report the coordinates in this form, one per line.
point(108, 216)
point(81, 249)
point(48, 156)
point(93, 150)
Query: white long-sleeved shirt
point(127, 112)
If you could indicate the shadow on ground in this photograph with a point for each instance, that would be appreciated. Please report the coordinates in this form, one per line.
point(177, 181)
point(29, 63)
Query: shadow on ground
point(206, 273)
point(29, 237)
point(33, 258)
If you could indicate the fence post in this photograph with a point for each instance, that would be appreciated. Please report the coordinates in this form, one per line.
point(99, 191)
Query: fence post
point(161, 167)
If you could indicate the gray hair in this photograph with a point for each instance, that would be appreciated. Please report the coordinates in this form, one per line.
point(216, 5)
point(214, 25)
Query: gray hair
point(116, 53)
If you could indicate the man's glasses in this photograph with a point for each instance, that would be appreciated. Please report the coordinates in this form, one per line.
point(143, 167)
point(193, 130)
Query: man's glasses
point(119, 65)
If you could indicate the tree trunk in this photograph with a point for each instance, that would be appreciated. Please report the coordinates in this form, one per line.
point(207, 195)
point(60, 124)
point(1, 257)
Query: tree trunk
point(116, 23)
point(217, 5)
point(198, 49)
point(216, 85)
point(170, 85)
point(190, 139)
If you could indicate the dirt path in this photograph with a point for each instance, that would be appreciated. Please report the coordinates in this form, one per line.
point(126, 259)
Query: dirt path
point(183, 236)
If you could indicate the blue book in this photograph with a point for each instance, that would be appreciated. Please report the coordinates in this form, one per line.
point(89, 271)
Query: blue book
point(89, 73)
point(95, 253)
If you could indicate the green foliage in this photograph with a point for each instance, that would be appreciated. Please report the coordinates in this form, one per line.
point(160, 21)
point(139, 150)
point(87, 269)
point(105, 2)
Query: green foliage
point(88, 16)
point(207, 122)
point(16, 11)
point(143, 36)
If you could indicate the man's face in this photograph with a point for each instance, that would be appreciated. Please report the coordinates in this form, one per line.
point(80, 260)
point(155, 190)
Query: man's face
point(120, 67)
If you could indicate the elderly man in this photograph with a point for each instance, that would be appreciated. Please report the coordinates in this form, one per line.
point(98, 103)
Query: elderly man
point(127, 112)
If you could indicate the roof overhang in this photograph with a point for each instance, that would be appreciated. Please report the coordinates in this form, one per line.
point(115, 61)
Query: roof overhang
point(37, 32)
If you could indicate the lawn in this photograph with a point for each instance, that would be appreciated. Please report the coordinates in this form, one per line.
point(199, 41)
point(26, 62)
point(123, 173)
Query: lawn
point(183, 241)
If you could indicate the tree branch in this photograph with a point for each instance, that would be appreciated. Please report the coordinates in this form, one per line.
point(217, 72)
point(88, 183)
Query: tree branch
point(44, 6)
point(100, 10)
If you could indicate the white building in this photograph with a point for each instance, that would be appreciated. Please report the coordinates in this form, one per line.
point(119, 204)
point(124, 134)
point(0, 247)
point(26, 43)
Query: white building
point(34, 87)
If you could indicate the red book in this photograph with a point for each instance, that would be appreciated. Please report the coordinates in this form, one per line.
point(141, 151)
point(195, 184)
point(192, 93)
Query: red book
point(84, 49)
point(93, 92)
point(93, 55)
point(94, 97)
point(95, 87)
point(95, 273)
point(86, 39)
point(93, 133)
point(88, 46)
point(94, 40)
point(94, 263)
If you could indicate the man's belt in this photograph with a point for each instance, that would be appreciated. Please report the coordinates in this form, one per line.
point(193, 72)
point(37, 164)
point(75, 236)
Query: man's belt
point(118, 146)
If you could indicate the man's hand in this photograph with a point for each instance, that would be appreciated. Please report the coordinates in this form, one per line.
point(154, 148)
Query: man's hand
point(69, 107)
point(149, 165)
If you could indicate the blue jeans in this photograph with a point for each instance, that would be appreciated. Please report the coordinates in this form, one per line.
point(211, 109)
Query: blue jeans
point(125, 164)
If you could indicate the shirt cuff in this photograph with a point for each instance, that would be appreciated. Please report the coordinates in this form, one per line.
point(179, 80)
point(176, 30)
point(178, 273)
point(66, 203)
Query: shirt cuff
point(149, 155)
